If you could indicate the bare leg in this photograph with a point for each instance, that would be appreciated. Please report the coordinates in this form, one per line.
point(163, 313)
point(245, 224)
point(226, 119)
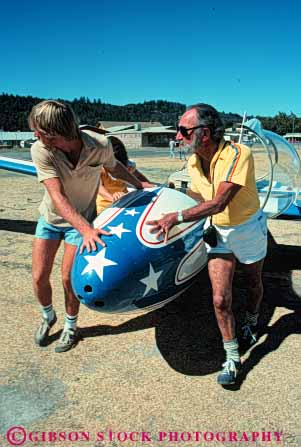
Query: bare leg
point(43, 254)
point(221, 271)
point(71, 302)
point(69, 336)
point(253, 278)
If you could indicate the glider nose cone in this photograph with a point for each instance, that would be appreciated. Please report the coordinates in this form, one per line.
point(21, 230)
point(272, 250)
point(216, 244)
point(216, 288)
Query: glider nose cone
point(87, 277)
point(136, 271)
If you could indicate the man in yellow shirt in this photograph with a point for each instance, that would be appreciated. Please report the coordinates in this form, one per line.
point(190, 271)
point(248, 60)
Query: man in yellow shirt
point(223, 181)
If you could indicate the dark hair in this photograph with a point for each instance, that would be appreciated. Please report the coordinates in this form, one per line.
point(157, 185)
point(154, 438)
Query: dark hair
point(119, 150)
point(210, 117)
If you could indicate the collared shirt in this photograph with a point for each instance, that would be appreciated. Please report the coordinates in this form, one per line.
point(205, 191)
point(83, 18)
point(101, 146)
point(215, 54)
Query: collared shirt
point(231, 163)
point(80, 182)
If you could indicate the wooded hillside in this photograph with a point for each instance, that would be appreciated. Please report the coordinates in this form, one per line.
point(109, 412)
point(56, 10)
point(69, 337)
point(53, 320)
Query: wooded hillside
point(14, 111)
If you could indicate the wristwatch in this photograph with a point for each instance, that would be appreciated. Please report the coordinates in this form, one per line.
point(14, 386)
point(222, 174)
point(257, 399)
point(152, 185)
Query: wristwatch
point(180, 217)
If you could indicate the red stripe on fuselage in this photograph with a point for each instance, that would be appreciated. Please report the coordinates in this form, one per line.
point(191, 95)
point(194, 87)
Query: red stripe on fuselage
point(162, 241)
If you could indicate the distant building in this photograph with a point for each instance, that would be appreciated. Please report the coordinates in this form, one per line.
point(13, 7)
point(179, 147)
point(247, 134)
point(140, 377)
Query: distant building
point(234, 134)
point(127, 124)
point(293, 137)
point(138, 135)
point(148, 137)
point(13, 139)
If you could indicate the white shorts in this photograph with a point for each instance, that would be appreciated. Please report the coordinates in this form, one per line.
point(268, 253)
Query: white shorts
point(247, 241)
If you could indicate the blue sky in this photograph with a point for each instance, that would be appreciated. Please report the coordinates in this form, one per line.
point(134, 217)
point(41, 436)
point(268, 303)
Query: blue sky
point(234, 55)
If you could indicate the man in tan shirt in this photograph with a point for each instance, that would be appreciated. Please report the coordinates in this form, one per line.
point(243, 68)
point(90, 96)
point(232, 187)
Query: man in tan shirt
point(68, 163)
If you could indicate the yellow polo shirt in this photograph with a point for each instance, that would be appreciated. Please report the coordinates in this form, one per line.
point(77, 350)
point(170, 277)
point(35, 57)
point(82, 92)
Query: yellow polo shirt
point(80, 182)
point(231, 163)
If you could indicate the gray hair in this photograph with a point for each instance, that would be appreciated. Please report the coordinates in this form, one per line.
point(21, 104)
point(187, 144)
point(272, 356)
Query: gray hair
point(209, 117)
point(54, 118)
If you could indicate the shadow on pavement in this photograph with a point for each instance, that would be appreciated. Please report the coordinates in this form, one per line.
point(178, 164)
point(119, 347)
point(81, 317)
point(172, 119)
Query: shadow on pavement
point(286, 325)
point(278, 291)
point(186, 332)
point(18, 226)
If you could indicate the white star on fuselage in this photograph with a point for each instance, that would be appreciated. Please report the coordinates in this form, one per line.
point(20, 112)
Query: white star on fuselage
point(98, 263)
point(131, 212)
point(119, 230)
point(151, 281)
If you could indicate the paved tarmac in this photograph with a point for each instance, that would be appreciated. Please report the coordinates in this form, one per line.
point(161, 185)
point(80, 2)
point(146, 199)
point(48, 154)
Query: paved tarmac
point(149, 379)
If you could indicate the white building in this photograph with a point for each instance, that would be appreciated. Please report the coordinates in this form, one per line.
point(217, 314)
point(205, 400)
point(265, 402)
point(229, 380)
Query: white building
point(12, 139)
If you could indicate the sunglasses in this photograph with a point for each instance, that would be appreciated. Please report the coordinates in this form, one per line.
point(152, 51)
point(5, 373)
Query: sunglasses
point(184, 130)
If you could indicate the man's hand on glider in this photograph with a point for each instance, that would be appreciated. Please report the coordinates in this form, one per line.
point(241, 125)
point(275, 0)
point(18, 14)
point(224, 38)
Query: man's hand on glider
point(163, 225)
point(90, 237)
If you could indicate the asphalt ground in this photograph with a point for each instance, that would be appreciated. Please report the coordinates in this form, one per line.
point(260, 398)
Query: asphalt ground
point(148, 379)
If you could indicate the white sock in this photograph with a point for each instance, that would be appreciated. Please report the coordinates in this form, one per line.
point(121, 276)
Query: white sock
point(231, 348)
point(48, 312)
point(70, 322)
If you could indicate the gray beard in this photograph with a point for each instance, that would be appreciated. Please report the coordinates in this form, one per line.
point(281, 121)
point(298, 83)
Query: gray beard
point(194, 146)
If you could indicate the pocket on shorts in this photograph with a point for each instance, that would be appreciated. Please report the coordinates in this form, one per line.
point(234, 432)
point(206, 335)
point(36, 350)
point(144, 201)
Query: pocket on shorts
point(262, 221)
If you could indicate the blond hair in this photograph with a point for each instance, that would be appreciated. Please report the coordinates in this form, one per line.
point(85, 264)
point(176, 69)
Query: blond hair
point(54, 118)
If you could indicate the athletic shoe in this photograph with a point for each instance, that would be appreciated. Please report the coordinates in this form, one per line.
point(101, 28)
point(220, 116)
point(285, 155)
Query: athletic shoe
point(67, 341)
point(42, 332)
point(228, 374)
